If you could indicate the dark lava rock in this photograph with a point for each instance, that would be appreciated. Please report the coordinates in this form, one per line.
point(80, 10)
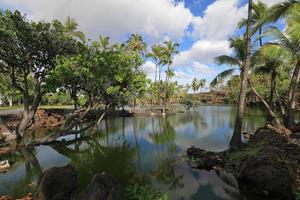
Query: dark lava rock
point(57, 183)
point(271, 172)
point(102, 187)
point(202, 159)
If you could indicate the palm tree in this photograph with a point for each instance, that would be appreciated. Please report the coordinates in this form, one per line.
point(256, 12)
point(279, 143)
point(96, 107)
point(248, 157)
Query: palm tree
point(70, 28)
point(259, 10)
point(202, 83)
point(195, 85)
point(236, 61)
point(136, 43)
point(168, 52)
point(156, 55)
point(290, 42)
point(103, 42)
point(236, 137)
point(270, 60)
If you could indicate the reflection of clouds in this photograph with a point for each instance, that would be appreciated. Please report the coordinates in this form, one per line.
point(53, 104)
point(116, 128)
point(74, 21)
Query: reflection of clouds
point(194, 181)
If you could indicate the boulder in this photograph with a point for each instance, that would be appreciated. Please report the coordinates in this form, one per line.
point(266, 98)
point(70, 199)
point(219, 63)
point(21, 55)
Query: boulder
point(102, 187)
point(4, 165)
point(202, 159)
point(57, 183)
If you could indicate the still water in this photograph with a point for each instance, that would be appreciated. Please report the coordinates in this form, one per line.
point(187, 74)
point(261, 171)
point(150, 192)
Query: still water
point(139, 148)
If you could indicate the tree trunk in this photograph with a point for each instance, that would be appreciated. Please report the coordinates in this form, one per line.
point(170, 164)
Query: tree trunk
point(236, 137)
point(272, 92)
point(166, 91)
point(10, 101)
point(271, 113)
point(273, 88)
point(260, 38)
point(290, 116)
point(29, 113)
point(1, 101)
point(156, 66)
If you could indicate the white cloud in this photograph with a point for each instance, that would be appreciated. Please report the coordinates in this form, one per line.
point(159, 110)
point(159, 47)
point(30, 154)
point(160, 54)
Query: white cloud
point(203, 51)
point(114, 18)
point(149, 67)
point(219, 20)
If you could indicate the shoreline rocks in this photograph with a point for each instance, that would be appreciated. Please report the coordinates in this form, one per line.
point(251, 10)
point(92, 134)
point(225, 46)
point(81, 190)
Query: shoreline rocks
point(59, 183)
point(268, 167)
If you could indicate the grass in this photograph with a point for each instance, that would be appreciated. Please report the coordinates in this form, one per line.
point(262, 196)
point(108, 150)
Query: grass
point(247, 151)
point(42, 106)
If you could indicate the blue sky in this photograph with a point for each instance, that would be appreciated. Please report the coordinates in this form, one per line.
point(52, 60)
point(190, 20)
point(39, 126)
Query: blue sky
point(201, 27)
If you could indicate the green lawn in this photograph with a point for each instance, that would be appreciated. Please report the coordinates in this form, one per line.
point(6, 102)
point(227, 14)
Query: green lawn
point(42, 106)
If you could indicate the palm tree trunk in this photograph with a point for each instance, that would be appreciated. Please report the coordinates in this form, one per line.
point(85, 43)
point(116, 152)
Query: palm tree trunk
point(290, 116)
point(166, 91)
point(273, 88)
point(236, 137)
point(260, 38)
point(156, 72)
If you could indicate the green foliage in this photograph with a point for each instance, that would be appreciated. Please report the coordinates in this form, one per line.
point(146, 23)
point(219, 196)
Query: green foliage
point(187, 102)
point(144, 192)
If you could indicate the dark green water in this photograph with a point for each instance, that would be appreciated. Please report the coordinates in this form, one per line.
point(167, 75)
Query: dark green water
point(148, 149)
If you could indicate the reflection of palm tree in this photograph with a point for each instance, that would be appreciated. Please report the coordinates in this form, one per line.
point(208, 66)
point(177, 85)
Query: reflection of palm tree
point(165, 172)
point(93, 158)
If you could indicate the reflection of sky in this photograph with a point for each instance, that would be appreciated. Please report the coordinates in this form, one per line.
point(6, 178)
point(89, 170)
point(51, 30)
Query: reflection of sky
point(157, 141)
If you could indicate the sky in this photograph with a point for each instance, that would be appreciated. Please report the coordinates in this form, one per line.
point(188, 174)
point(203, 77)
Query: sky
point(201, 27)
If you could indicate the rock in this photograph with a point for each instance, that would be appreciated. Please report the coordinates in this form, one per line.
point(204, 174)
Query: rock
point(102, 187)
point(6, 197)
point(247, 135)
point(230, 184)
point(57, 183)
point(202, 159)
point(269, 173)
point(4, 165)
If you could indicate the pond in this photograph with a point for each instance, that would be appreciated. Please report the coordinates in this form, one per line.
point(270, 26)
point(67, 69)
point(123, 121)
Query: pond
point(151, 149)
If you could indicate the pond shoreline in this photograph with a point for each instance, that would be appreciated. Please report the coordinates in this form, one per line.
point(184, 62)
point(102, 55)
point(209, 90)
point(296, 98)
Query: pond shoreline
point(268, 167)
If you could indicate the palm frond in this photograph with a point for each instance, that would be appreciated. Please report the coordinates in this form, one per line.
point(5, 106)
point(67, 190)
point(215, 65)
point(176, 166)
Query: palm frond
point(227, 60)
point(221, 76)
point(277, 11)
point(284, 41)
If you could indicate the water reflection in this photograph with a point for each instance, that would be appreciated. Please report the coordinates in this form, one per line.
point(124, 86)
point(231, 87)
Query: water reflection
point(139, 149)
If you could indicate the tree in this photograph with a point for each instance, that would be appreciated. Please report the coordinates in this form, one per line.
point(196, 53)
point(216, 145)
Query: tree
point(236, 137)
point(202, 83)
point(69, 75)
point(236, 61)
point(29, 49)
point(169, 50)
point(195, 85)
point(289, 42)
point(136, 44)
point(70, 28)
point(259, 10)
point(156, 55)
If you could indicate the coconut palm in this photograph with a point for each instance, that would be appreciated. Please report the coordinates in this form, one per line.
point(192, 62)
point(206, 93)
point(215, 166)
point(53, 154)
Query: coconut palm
point(136, 43)
point(270, 60)
point(168, 52)
point(277, 11)
point(202, 83)
point(235, 61)
point(195, 85)
point(156, 55)
point(259, 10)
point(236, 137)
point(70, 28)
point(290, 42)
